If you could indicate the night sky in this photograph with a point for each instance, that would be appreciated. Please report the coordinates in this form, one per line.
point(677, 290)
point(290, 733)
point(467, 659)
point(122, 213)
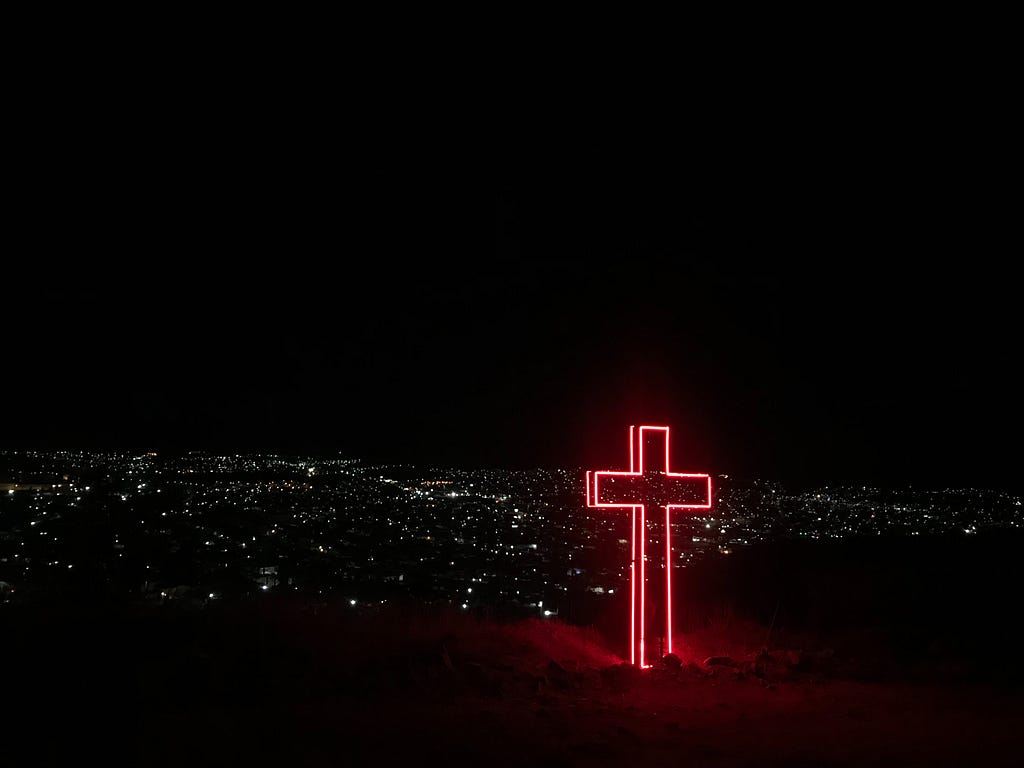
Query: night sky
point(829, 325)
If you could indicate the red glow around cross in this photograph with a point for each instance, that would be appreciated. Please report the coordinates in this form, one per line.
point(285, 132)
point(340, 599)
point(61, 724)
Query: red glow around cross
point(633, 493)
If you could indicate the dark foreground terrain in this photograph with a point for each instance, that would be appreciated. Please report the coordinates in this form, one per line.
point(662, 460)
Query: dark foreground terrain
point(896, 667)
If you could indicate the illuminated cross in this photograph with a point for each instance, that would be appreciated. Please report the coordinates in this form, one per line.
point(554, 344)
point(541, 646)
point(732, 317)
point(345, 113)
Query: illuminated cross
point(647, 484)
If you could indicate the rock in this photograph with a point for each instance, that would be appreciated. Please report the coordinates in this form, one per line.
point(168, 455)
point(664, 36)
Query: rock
point(763, 663)
point(620, 677)
point(558, 675)
point(482, 680)
point(720, 661)
point(539, 683)
point(672, 661)
point(590, 679)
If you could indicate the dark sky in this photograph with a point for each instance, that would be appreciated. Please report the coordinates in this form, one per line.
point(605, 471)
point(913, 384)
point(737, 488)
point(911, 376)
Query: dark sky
point(841, 322)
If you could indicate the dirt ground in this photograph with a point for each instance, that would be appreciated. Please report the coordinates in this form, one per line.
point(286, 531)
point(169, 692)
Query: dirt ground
point(665, 719)
point(294, 689)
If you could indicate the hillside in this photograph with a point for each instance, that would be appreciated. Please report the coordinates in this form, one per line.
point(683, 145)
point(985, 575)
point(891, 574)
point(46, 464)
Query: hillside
point(289, 683)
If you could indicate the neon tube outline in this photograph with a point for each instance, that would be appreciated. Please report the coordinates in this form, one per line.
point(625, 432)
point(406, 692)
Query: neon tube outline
point(593, 501)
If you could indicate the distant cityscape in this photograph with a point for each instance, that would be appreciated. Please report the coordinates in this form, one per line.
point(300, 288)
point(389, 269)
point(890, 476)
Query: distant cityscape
point(193, 529)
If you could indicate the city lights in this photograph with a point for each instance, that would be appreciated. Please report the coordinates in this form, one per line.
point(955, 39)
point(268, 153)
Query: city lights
point(510, 540)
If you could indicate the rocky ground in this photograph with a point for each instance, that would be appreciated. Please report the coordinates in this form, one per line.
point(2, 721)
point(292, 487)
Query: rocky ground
point(298, 688)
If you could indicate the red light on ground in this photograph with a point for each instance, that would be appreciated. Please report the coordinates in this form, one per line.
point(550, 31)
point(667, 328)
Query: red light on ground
point(634, 492)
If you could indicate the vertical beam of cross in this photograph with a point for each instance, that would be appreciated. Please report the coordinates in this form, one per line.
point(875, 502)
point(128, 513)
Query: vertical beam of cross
point(635, 490)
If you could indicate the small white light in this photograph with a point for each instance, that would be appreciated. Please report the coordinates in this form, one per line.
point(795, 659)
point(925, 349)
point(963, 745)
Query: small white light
point(351, 602)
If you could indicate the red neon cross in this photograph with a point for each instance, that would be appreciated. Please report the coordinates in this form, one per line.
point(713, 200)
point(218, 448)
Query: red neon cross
point(643, 486)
